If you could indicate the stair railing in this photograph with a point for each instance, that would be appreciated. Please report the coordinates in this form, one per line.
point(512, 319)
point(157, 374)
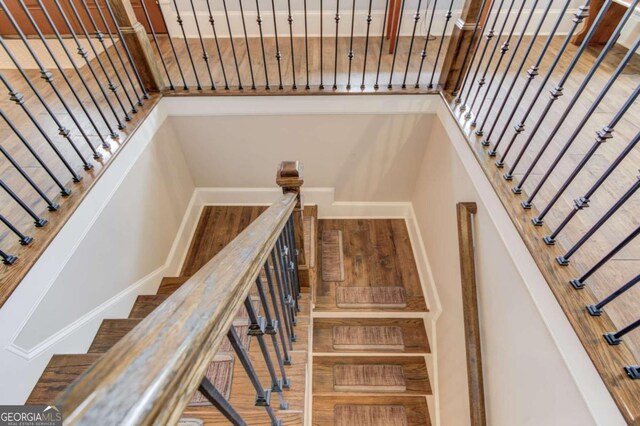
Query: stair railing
point(149, 376)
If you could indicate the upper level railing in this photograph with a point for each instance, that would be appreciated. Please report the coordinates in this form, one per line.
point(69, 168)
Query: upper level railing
point(150, 375)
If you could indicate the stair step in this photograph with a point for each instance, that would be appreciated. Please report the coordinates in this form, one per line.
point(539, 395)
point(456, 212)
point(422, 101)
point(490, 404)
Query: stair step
point(371, 297)
point(332, 256)
point(61, 371)
point(370, 411)
point(404, 335)
point(170, 284)
point(406, 375)
point(110, 332)
point(145, 304)
point(220, 374)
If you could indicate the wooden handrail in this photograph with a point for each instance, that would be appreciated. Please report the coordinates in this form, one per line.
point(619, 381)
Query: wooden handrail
point(470, 312)
point(148, 377)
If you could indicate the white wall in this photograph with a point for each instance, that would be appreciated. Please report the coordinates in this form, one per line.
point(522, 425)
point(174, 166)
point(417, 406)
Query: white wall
point(113, 248)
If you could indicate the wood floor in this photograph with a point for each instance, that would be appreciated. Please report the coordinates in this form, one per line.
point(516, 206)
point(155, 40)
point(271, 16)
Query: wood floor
point(626, 264)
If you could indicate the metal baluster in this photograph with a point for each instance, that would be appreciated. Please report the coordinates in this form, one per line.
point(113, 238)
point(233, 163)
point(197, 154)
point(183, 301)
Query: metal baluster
point(633, 371)
point(277, 271)
point(283, 331)
point(105, 48)
point(186, 44)
point(335, 58)
point(47, 76)
point(64, 191)
point(210, 392)
point(556, 92)
point(350, 54)
point(382, 34)
point(8, 259)
point(39, 222)
point(423, 52)
point(173, 48)
point(215, 38)
point(366, 46)
point(457, 93)
point(264, 54)
point(321, 86)
point(596, 310)
point(105, 144)
point(503, 50)
point(306, 45)
point(293, 56)
point(572, 103)
point(488, 36)
point(18, 98)
point(534, 38)
point(278, 53)
point(155, 41)
point(145, 94)
point(24, 240)
point(615, 338)
point(416, 18)
point(233, 48)
point(50, 204)
point(444, 32)
point(272, 330)
point(246, 42)
point(257, 329)
point(263, 396)
point(579, 282)
point(564, 259)
point(582, 202)
point(112, 87)
point(205, 56)
point(294, 262)
point(83, 53)
point(602, 135)
point(395, 48)
point(287, 284)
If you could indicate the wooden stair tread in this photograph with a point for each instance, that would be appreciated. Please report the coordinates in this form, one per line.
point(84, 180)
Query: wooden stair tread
point(370, 415)
point(145, 304)
point(61, 371)
point(110, 332)
point(332, 256)
point(369, 378)
point(371, 297)
point(368, 338)
point(220, 374)
point(170, 284)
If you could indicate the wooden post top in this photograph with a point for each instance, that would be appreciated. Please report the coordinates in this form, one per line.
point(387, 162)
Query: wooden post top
point(290, 175)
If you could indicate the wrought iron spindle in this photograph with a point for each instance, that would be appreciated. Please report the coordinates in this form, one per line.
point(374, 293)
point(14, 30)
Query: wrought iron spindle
point(263, 396)
point(233, 48)
point(186, 44)
point(257, 327)
point(335, 56)
point(321, 86)
point(615, 338)
point(306, 44)
point(287, 283)
point(215, 38)
point(458, 93)
point(18, 98)
point(596, 310)
point(572, 103)
point(633, 371)
point(395, 47)
point(23, 239)
point(382, 34)
point(205, 55)
point(488, 36)
point(556, 92)
point(275, 35)
point(275, 302)
point(447, 18)
point(350, 53)
point(64, 191)
point(293, 56)
point(503, 51)
point(579, 282)
point(8, 259)
point(45, 43)
point(531, 75)
point(157, 44)
point(582, 202)
point(264, 53)
point(423, 52)
point(216, 399)
point(416, 19)
point(47, 76)
point(277, 271)
point(366, 45)
point(39, 222)
point(294, 262)
point(602, 136)
point(246, 43)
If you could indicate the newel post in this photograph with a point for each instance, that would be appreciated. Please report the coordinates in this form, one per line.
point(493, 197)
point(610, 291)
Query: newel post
point(290, 178)
point(135, 36)
point(456, 61)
